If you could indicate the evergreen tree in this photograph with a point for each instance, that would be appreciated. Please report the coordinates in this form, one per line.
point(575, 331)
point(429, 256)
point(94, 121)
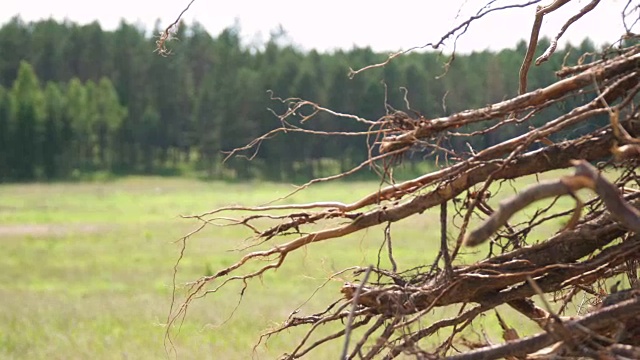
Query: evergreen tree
point(208, 135)
point(131, 55)
point(78, 112)
point(48, 40)
point(55, 128)
point(5, 134)
point(15, 46)
point(106, 120)
point(26, 139)
point(150, 122)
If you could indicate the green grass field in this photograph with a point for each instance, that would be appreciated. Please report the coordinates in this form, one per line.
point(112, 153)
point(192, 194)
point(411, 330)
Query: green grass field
point(86, 269)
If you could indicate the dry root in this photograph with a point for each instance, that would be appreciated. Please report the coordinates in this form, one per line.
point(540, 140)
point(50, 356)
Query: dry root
point(599, 242)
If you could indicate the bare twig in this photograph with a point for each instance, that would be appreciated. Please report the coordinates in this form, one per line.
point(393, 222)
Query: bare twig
point(554, 43)
point(459, 30)
point(347, 333)
point(444, 248)
point(541, 11)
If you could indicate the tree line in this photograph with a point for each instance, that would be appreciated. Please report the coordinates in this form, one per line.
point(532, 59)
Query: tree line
point(76, 99)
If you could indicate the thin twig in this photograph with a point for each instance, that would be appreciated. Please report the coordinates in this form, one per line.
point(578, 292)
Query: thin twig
point(444, 248)
point(356, 297)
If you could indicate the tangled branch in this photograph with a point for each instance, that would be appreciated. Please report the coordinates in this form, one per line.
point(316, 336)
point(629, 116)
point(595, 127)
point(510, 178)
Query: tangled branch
point(169, 33)
point(598, 243)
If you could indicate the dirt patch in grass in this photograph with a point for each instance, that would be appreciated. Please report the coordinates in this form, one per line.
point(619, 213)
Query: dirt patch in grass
point(48, 229)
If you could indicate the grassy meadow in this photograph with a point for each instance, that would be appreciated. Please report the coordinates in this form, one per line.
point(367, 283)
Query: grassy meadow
point(86, 269)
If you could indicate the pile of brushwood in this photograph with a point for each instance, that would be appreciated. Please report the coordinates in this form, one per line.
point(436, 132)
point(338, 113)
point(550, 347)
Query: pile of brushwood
point(596, 254)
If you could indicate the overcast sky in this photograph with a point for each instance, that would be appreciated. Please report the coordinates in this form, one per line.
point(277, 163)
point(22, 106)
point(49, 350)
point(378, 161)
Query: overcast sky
point(330, 24)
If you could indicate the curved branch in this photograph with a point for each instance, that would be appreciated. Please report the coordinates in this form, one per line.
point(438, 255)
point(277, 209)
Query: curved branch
point(554, 43)
point(586, 176)
point(533, 41)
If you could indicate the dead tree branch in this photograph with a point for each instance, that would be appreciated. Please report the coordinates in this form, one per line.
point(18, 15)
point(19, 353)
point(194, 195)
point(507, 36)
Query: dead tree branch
point(586, 176)
point(458, 31)
point(554, 43)
point(601, 319)
point(599, 244)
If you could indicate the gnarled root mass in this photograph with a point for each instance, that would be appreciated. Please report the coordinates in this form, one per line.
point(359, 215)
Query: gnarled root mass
point(599, 242)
